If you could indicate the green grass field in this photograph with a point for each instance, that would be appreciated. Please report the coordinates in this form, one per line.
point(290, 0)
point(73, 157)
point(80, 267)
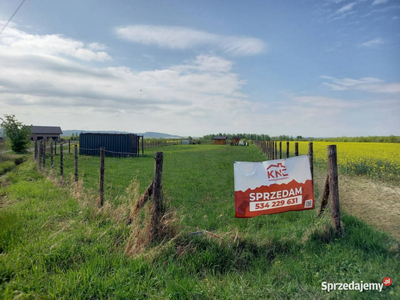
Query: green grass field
point(54, 245)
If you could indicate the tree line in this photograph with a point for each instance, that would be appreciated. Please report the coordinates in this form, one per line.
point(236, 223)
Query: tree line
point(362, 139)
point(266, 137)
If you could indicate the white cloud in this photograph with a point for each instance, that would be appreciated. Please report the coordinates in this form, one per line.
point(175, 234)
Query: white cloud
point(181, 38)
point(369, 84)
point(40, 80)
point(373, 43)
point(346, 8)
point(96, 46)
point(376, 2)
point(20, 43)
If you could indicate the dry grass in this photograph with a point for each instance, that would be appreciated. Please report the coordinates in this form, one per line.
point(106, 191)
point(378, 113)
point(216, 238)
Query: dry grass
point(376, 203)
point(128, 206)
point(141, 226)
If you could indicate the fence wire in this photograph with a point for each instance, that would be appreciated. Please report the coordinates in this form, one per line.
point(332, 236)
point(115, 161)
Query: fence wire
point(114, 185)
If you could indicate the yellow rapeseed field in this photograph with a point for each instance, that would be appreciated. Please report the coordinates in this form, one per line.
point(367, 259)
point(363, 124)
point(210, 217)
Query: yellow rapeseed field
point(378, 160)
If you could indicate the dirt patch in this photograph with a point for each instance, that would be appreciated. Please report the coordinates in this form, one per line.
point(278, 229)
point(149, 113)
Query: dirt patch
point(376, 203)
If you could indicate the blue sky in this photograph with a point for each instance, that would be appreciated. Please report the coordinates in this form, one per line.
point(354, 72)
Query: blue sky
point(310, 68)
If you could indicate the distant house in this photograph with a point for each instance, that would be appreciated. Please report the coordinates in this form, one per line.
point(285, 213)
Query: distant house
point(219, 140)
point(235, 140)
point(45, 132)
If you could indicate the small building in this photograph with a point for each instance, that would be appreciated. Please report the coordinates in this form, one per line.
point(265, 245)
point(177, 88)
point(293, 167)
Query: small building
point(220, 140)
point(45, 132)
point(115, 144)
point(186, 141)
point(235, 140)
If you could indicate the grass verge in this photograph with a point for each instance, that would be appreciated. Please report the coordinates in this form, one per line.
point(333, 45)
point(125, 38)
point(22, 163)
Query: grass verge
point(57, 244)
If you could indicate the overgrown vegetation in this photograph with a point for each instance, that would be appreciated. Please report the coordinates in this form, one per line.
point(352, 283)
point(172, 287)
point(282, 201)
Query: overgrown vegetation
point(55, 243)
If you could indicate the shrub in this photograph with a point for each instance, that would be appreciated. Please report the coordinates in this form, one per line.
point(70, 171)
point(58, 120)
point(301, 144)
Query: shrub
point(16, 132)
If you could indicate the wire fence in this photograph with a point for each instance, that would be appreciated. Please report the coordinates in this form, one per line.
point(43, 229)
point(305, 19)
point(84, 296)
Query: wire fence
point(152, 143)
point(71, 167)
point(285, 149)
point(96, 152)
point(379, 161)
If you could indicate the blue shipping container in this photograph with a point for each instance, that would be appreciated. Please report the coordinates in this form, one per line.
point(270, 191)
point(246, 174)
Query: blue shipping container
point(119, 145)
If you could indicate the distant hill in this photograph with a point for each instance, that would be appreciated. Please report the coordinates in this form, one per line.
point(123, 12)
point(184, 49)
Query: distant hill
point(146, 135)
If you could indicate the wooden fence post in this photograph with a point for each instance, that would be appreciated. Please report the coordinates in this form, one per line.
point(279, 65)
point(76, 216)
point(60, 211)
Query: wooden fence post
point(55, 147)
point(311, 158)
point(276, 150)
point(325, 196)
point(334, 187)
point(273, 149)
point(35, 153)
point(44, 157)
point(156, 205)
point(287, 149)
point(296, 149)
point(69, 146)
point(100, 201)
point(61, 164)
point(280, 150)
point(51, 158)
point(40, 155)
point(264, 146)
point(76, 163)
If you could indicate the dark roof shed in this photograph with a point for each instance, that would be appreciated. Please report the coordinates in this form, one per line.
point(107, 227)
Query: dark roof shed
point(46, 129)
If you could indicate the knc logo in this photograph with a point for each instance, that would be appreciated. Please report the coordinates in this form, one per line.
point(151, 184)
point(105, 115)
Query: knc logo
point(277, 172)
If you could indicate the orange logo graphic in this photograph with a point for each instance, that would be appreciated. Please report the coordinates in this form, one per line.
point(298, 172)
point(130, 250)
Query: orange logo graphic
point(276, 172)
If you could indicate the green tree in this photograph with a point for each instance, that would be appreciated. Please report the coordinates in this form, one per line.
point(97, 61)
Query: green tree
point(17, 132)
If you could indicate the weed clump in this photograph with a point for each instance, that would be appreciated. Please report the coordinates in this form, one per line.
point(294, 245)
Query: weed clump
point(142, 228)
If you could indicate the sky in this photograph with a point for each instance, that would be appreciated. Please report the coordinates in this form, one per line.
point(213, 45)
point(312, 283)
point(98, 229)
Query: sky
point(319, 68)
